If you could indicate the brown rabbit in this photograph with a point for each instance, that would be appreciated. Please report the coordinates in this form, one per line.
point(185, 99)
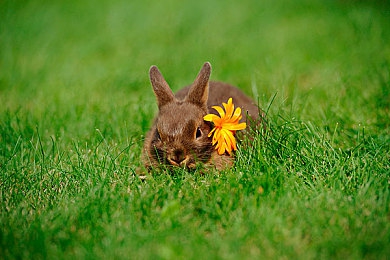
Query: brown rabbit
point(179, 135)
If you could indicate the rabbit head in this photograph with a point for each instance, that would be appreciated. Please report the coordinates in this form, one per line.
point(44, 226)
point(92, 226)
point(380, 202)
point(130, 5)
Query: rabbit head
point(179, 135)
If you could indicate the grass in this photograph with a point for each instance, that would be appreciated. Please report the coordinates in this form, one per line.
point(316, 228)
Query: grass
point(76, 103)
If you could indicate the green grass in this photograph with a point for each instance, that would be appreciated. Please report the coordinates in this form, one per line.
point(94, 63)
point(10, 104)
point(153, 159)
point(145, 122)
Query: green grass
point(76, 103)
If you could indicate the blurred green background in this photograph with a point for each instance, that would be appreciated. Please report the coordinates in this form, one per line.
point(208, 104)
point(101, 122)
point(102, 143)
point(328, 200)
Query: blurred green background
point(70, 50)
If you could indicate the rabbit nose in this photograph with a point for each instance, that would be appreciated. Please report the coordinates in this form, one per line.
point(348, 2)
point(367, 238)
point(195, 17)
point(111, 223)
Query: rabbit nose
point(178, 157)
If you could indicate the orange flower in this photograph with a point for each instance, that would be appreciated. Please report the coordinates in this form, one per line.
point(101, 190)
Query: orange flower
point(225, 126)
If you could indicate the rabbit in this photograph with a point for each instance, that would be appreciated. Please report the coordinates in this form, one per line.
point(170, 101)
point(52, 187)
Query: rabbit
point(179, 135)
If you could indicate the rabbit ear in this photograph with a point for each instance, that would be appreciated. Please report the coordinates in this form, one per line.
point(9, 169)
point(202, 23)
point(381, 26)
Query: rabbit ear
point(199, 91)
point(161, 89)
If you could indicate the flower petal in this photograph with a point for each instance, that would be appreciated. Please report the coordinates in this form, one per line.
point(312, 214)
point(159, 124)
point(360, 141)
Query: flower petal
point(233, 126)
point(211, 132)
point(210, 117)
point(237, 112)
point(217, 136)
point(221, 147)
point(230, 140)
point(229, 108)
point(219, 110)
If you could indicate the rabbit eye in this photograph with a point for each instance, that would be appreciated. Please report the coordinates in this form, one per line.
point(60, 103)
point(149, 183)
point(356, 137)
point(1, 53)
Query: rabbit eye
point(198, 133)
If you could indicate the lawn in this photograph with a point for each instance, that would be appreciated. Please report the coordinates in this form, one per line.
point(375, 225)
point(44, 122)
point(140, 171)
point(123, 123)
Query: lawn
point(76, 103)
